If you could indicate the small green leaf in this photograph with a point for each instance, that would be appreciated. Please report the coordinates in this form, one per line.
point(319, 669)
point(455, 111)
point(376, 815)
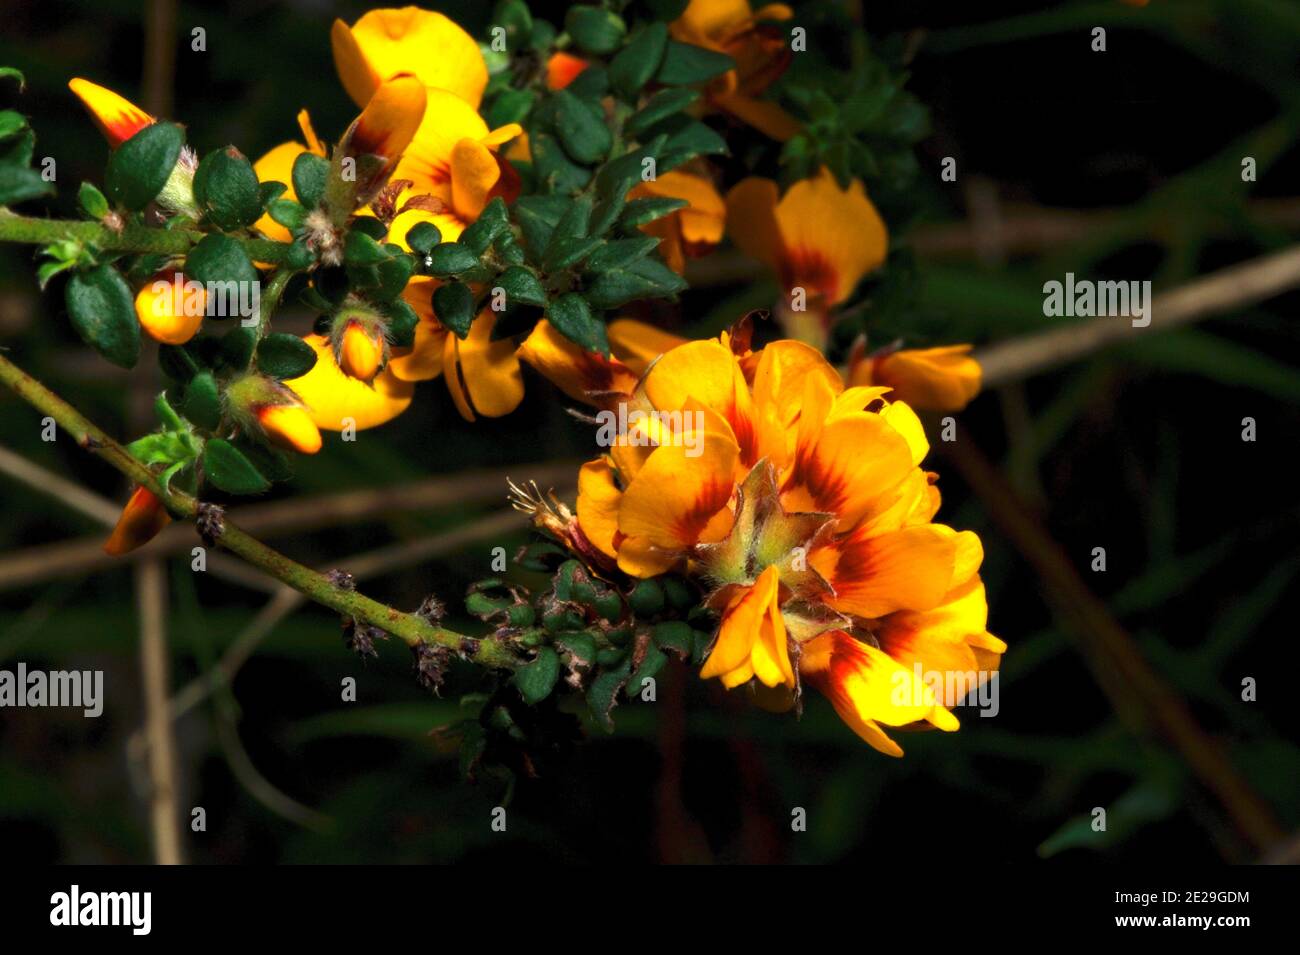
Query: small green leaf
point(572, 318)
point(102, 309)
point(92, 201)
point(565, 252)
point(451, 258)
point(537, 679)
point(603, 694)
point(288, 213)
point(141, 166)
point(453, 304)
point(620, 253)
point(268, 192)
point(651, 664)
point(581, 128)
point(219, 258)
point(509, 106)
point(230, 470)
point(227, 189)
point(537, 217)
point(281, 355)
point(361, 249)
point(237, 347)
point(202, 403)
point(522, 286)
point(594, 30)
point(640, 211)
point(685, 64)
point(10, 73)
point(644, 278)
point(11, 124)
point(402, 320)
point(637, 62)
point(423, 237)
point(675, 636)
point(554, 167)
point(659, 107)
point(19, 184)
point(310, 173)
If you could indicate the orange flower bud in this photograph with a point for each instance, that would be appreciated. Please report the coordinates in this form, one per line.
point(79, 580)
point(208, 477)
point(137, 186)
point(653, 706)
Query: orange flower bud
point(562, 69)
point(290, 427)
point(169, 310)
point(142, 518)
point(117, 118)
point(361, 352)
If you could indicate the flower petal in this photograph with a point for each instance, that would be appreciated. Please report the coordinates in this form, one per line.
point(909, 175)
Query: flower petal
point(582, 375)
point(333, 397)
point(429, 45)
point(490, 369)
point(598, 501)
point(117, 117)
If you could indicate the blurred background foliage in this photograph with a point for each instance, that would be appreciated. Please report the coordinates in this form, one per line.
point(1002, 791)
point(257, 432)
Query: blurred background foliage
point(1123, 164)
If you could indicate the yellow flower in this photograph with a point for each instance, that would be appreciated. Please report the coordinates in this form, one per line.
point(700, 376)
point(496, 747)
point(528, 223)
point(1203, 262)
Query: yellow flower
point(289, 427)
point(169, 311)
point(452, 158)
point(761, 51)
point(803, 505)
point(692, 230)
point(334, 399)
point(817, 237)
point(142, 518)
point(117, 118)
point(482, 375)
point(277, 166)
point(936, 379)
point(428, 45)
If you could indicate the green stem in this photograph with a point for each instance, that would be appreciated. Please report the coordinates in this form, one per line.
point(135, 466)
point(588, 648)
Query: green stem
point(132, 238)
point(412, 629)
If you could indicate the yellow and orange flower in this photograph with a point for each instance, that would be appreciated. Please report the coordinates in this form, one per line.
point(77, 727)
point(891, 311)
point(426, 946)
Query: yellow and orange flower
point(335, 400)
point(761, 50)
point(117, 118)
point(817, 237)
point(934, 379)
point(141, 520)
point(803, 505)
point(387, 42)
point(690, 231)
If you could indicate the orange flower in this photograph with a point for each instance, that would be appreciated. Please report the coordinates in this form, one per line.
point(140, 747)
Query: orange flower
point(803, 505)
point(817, 238)
point(936, 379)
point(482, 375)
point(761, 51)
point(690, 231)
point(117, 118)
point(142, 518)
point(335, 400)
point(428, 45)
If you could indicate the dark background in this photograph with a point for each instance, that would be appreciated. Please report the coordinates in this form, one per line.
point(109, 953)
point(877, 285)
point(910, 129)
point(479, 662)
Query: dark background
point(1137, 449)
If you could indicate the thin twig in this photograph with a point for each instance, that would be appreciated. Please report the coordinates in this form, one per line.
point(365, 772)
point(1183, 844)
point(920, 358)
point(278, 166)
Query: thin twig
point(411, 628)
point(151, 596)
point(1226, 290)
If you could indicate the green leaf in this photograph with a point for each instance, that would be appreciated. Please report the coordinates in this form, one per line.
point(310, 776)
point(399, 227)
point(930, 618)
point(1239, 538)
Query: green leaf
point(423, 237)
point(554, 168)
point(450, 258)
point(141, 166)
point(691, 138)
point(572, 318)
point(675, 636)
point(11, 124)
point(268, 192)
point(566, 252)
point(361, 249)
point(310, 173)
point(581, 128)
point(227, 189)
point(537, 679)
point(237, 347)
point(603, 694)
point(620, 253)
point(219, 258)
point(202, 403)
point(509, 106)
point(667, 10)
point(640, 211)
point(580, 646)
point(595, 30)
point(10, 73)
point(637, 62)
point(402, 320)
point(659, 107)
point(281, 355)
point(102, 309)
point(453, 304)
point(230, 470)
point(92, 201)
point(288, 213)
point(651, 664)
point(685, 64)
point(522, 286)
point(644, 278)
point(537, 217)
point(19, 184)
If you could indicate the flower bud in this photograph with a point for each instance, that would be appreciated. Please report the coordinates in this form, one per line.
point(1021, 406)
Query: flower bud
point(360, 352)
point(169, 309)
point(289, 427)
point(142, 518)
